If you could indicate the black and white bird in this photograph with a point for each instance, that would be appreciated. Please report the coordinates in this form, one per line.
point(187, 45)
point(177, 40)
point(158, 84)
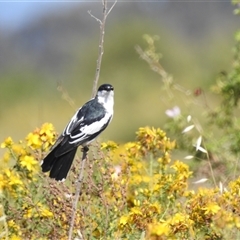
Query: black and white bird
point(87, 123)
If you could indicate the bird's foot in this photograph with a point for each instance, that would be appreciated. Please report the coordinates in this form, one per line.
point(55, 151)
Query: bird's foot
point(85, 149)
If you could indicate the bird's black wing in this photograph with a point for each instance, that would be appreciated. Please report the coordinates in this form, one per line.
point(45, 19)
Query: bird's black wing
point(85, 125)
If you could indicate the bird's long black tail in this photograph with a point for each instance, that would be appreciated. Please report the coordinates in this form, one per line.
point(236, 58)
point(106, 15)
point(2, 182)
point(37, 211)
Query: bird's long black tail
point(58, 166)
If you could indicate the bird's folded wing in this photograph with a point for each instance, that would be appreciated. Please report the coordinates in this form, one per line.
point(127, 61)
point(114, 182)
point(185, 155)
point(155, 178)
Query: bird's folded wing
point(84, 126)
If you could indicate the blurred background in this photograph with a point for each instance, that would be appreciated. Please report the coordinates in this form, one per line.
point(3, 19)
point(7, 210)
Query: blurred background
point(44, 45)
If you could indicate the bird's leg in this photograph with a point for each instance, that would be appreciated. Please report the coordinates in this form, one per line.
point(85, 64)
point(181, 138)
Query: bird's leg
point(85, 149)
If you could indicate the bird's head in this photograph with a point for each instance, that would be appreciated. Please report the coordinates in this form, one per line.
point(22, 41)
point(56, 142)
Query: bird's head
point(105, 94)
point(105, 87)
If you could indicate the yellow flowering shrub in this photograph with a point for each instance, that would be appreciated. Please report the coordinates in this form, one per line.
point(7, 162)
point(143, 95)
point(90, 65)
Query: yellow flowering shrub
point(130, 191)
point(21, 186)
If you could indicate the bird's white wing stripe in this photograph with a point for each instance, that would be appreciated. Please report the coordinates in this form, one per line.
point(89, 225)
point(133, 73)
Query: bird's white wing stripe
point(90, 129)
point(77, 140)
point(77, 136)
point(73, 120)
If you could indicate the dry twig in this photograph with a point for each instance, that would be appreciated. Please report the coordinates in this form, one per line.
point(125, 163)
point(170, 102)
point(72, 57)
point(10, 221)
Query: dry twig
point(102, 24)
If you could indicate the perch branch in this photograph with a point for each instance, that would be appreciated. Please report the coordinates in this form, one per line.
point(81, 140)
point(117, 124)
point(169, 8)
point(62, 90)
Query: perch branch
point(102, 24)
point(94, 90)
point(78, 191)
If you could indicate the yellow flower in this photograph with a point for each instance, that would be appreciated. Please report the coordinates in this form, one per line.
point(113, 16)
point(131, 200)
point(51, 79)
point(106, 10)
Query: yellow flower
point(15, 180)
point(155, 207)
point(136, 202)
point(159, 229)
point(6, 157)
point(136, 179)
point(47, 128)
point(29, 162)
point(15, 237)
point(47, 134)
point(18, 149)
point(13, 225)
point(237, 222)
point(2, 183)
point(146, 179)
point(132, 149)
point(110, 145)
point(211, 208)
point(177, 218)
point(33, 140)
point(46, 213)
point(8, 142)
point(181, 222)
point(181, 168)
point(28, 213)
point(124, 220)
point(136, 211)
point(13, 177)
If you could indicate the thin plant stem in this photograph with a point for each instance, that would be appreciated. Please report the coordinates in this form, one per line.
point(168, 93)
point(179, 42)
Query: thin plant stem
point(78, 191)
point(102, 24)
point(211, 170)
point(3, 219)
point(100, 46)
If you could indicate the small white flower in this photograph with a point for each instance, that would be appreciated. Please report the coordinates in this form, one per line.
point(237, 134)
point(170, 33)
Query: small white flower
point(202, 149)
point(198, 143)
point(220, 187)
point(189, 118)
point(188, 128)
point(174, 112)
point(117, 171)
point(203, 180)
point(67, 195)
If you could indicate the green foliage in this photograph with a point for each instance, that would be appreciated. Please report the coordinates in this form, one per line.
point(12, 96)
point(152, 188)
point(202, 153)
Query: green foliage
point(228, 87)
point(132, 191)
point(236, 3)
point(206, 132)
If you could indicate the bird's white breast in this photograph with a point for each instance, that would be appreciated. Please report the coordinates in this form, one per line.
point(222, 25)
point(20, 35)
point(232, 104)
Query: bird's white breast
point(107, 100)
